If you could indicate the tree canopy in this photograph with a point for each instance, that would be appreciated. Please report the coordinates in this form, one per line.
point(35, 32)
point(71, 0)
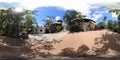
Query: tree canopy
point(73, 19)
point(117, 12)
point(110, 24)
point(101, 25)
point(14, 23)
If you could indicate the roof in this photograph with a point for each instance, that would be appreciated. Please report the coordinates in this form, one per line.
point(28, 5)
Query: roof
point(87, 20)
point(59, 20)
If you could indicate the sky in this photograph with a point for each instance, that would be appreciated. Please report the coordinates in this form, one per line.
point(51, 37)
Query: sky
point(93, 9)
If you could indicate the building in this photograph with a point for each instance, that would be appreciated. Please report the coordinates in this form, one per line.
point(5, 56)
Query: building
point(39, 30)
point(43, 29)
point(88, 24)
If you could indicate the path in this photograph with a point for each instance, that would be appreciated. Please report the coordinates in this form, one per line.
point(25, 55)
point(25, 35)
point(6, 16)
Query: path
point(48, 37)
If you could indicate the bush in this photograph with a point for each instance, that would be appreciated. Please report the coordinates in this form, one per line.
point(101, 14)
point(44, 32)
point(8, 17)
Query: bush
point(110, 24)
point(117, 30)
point(101, 25)
point(47, 31)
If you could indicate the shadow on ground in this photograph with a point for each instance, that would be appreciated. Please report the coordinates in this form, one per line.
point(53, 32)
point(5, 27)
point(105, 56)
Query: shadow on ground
point(13, 47)
point(107, 42)
point(106, 46)
point(19, 48)
point(102, 46)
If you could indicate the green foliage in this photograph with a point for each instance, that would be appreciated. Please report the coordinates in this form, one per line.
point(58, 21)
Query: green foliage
point(74, 20)
point(101, 25)
point(116, 11)
point(117, 29)
point(104, 19)
point(117, 25)
point(49, 20)
point(110, 24)
point(53, 27)
point(13, 23)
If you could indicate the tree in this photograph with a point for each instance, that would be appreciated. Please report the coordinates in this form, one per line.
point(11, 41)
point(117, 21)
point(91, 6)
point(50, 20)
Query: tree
point(53, 27)
point(117, 12)
point(110, 24)
point(2, 19)
point(29, 20)
point(104, 19)
point(49, 20)
point(101, 25)
point(116, 24)
point(49, 23)
point(74, 20)
point(12, 22)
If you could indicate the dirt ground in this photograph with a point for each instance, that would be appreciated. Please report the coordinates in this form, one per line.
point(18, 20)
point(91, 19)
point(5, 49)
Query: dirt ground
point(98, 42)
point(92, 39)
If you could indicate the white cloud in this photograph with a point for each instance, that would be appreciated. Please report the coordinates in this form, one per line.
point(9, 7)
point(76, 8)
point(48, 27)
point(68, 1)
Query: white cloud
point(83, 6)
point(112, 5)
point(57, 18)
point(96, 11)
point(80, 5)
point(96, 16)
point(114, 15)
point(2, 7)
point(18, 9)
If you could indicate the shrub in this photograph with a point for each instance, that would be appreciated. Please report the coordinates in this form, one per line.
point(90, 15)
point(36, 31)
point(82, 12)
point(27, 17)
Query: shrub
point(101, 25)
point(116, 29)
point(110, 24)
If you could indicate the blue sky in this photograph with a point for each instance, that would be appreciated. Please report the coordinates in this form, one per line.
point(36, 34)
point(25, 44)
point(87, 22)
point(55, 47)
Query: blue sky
point(94, 9)
point(43, 12)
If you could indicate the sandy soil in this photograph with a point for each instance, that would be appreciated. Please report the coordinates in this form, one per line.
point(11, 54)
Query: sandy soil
point(103, 39)
point(75, 40)
point(48, 37)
